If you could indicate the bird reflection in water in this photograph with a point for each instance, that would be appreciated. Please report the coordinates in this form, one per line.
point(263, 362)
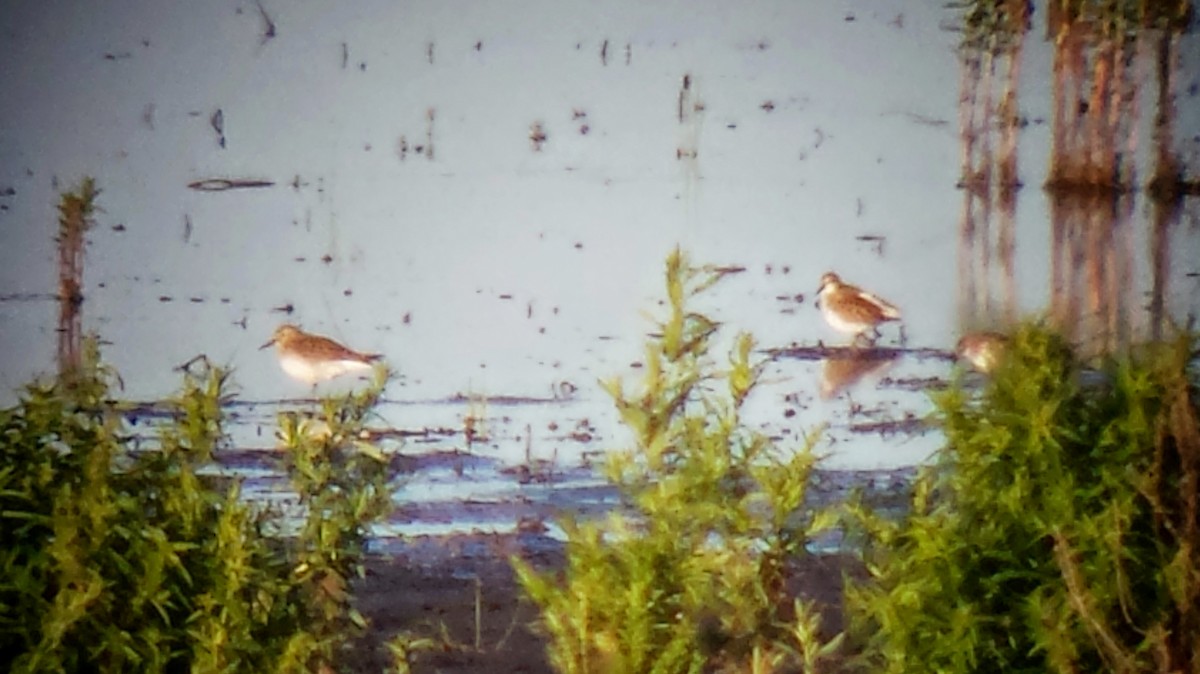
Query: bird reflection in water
point(842, 369)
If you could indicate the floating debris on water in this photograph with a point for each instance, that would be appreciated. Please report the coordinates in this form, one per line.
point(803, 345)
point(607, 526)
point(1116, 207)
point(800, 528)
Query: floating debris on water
point(222, 184)
point(537, 136)
point(217, 121)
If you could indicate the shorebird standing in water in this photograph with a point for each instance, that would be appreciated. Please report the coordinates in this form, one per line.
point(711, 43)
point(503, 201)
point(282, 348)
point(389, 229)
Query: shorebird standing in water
point(983, 350)
point(313, 358)
point(852, 310)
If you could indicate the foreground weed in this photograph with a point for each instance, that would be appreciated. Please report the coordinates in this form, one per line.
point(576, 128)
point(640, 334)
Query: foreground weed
point(124, 559)
point(343, 482)
point(405, 646)
point(1059, 530)
point(693, 578)
point(119, 560)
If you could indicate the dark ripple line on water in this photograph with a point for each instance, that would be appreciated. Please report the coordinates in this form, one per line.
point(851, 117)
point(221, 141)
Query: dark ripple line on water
point(821, 352)
point(29, 297)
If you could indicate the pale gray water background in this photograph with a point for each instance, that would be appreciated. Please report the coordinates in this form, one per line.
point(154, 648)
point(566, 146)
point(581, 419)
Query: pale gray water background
point(490, 270)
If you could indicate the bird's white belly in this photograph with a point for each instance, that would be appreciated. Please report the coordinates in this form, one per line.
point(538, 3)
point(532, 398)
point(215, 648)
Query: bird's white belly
point(318, 371)
point(839, 322)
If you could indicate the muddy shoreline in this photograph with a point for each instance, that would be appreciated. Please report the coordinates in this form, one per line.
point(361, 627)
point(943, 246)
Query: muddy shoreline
point(456, 603)
point(460, 609)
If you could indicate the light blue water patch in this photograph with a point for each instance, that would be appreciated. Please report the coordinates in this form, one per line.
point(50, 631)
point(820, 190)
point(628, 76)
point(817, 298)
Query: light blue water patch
point(414, 213)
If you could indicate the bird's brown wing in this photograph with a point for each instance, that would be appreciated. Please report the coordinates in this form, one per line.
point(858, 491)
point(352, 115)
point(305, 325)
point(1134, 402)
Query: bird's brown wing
point(328, 349)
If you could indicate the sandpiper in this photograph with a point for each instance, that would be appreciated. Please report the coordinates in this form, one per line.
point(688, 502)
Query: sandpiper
point(983, 350)
point(851, 309)
point(313, 358)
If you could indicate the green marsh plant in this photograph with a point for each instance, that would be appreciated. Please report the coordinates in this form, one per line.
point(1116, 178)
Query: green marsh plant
point(1058, 531)
point(118, 557)
point(118, 560)
point(344, 485)
point(692, 576)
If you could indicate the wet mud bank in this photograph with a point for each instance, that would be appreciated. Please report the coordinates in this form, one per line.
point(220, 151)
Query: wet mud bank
point(455, 603)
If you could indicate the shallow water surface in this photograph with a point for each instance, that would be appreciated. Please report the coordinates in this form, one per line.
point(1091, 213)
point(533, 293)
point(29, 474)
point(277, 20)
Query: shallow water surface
point(486, 197)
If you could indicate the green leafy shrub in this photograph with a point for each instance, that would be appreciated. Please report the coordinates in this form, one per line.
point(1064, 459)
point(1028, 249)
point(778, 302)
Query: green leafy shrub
point(692, 577)
point(344, 485)
point(117, 558)
point(1057, 532)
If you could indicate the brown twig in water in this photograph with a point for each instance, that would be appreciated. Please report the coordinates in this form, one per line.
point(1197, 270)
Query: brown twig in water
point(269, 25)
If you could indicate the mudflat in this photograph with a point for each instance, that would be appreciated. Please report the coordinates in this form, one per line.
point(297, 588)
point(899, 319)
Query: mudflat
point(458, 601)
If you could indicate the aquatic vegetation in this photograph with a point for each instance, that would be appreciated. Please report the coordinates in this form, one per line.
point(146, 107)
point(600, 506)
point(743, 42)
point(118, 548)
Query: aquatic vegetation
point(691, 577)
point(120, 554)
point(991, 26)
point(1057, 532)
point(1122, 17)
point(345, 484)
point(76, 211)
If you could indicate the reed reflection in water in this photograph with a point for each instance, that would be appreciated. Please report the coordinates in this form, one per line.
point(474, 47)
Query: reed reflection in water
point(1103, 257)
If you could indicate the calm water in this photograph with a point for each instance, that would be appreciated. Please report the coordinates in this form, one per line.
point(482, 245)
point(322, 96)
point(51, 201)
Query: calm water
point(416, 213)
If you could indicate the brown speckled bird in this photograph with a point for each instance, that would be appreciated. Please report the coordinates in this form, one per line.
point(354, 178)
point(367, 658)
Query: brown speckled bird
point(851, 309)
point(983, 350)
point(313, 358)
